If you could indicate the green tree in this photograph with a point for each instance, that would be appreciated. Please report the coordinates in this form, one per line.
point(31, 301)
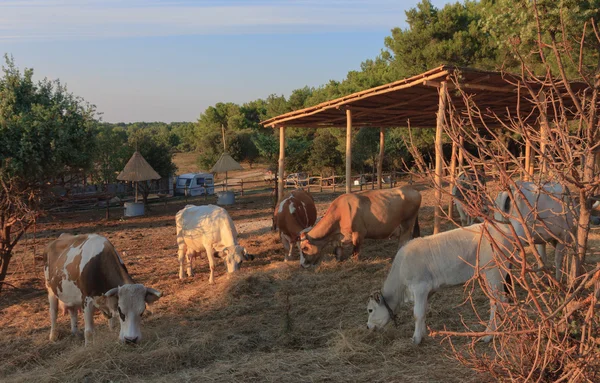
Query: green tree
point(46, 134)
point(111, 154)
point(450, 35)
point(324, 158)
point(158, 154)
point(267, 146)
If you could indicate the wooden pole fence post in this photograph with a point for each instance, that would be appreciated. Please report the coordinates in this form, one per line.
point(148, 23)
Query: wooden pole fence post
point(281, 162)
point(438, 156)
point(348, 150)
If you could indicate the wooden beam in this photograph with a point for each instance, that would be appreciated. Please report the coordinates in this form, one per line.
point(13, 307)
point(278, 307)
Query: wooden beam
point(380, 159)
point(348, 151)
point(528, 165)
point(543, 132)
point(281, 163)
point(353, 97)
point(490, 88)
point(438, 157)
point(452, 176)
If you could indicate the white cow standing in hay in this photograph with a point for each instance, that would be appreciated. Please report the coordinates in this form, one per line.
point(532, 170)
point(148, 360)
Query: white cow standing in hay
point(547, 212)
point(207, 228)
point(425, 265)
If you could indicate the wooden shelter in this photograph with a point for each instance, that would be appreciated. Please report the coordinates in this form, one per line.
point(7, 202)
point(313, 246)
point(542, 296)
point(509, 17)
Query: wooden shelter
point(137, 169)
point(225, 163)
point(423, 100)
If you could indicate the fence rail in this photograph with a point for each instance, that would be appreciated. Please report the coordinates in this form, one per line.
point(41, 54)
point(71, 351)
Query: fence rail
point(312, 183)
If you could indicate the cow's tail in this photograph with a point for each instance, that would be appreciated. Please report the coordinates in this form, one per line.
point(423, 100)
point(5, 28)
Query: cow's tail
point(416, 230)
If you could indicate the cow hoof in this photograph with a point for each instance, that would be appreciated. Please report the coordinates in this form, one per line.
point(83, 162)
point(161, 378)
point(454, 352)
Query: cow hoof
point(88, 338)
point(53, 336)
point(416, 339)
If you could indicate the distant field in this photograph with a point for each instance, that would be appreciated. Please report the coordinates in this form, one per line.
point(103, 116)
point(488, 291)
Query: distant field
point(186, 163)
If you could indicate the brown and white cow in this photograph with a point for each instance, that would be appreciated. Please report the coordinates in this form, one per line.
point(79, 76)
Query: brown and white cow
point(376, 214)
point(294, 213)
point(86, 272)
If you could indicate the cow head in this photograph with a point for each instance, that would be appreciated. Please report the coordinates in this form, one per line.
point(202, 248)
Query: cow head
point(503, 206)
point(310, 252)
point(379, 314)
point(128, 302)
point(234, 256)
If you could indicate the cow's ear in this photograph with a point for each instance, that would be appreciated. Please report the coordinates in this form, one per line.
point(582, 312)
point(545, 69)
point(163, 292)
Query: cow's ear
point(506, 204)
point(152, 295)
point(377, 296)
point(107, 304)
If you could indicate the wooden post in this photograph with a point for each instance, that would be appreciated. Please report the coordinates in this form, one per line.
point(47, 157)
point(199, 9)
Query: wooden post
point(543, 132)
point(461, 154)
point(438, 157)
point(348, 150)
point(452, 177)
point(528, 172)
point(281, 162)
point(380, 159)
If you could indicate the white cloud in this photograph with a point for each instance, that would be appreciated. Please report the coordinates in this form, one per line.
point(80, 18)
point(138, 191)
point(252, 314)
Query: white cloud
point(32, 20)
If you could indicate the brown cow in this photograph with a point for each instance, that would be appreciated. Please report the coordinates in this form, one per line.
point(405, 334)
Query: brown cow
point(375, 214)
point(85, 271)
point(293, 214)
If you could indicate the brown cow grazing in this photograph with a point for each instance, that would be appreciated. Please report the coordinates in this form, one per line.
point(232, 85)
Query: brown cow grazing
point(85, 271)
point(293, 214)
point(376, 214)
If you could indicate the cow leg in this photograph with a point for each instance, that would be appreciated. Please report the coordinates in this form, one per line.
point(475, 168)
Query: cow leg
point(181, 255)
point(461, 213)
point(419, 311)
point(53, 300)
point(339, 253)
point(357, 240)
point(211, 263)
point(541, 249)
point(559, 253)
point(494, 278)
point(73, 314)
point(88, 319)
point(286, 246)
point(189, 255)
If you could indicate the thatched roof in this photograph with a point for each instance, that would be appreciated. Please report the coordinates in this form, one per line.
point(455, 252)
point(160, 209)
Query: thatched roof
point(416, 99)
point(138, 169)
point(225, 164)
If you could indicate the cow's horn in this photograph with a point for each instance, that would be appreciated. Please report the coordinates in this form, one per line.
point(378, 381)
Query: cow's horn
point(112, 292)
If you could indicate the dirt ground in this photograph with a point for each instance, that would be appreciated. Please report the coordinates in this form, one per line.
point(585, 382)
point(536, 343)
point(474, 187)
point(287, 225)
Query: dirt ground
point(271, 322)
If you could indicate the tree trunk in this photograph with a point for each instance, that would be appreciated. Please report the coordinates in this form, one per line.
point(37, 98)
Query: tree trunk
point(5, 256)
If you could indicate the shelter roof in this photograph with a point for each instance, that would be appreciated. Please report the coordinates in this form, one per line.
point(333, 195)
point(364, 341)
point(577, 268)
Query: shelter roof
point(416, 99)
point(225, 164)
point(138, 169)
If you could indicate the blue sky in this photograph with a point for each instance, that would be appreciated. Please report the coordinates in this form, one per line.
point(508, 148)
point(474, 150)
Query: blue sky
point(160, 60)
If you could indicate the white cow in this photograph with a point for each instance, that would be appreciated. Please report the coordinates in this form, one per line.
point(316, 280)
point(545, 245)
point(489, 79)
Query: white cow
point(551, 220)
point(466, 183)
point(207, 228)
point(427, 264)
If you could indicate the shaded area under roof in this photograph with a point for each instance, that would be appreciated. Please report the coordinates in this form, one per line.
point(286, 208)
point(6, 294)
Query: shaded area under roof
point(416, 99)
point(225, 163)
point(138, 169)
